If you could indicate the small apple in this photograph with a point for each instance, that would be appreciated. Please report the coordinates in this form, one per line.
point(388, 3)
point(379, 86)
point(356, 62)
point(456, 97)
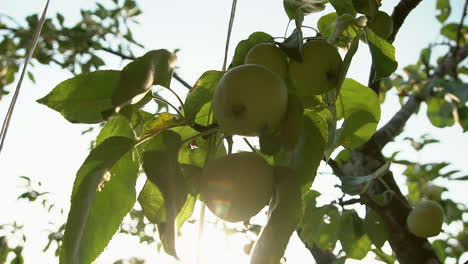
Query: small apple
point(249, 100)
point(270, 56)
point(426, 219)
point(382, 24)
point(319, 71)
point(237, 186)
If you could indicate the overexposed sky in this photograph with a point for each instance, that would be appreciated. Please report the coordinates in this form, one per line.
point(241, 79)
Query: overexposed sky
point(44, 146)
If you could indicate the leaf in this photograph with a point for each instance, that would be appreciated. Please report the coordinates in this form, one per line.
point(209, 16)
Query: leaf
point(463, 118)
point(137, 78)
point(382, 256)
point(355, 185)
point(440, 112)
point(309, 150)
point(439, 248)
point(343, 7)
point(360, 107)
point(85, 97)
point(383, 55)
point(292, 127)
point(354, 240)
point(245, 45)
point(292, 45)
point(285, 214)
point(87, 231)
point(306, 7)
point(444, 10)
point(152, 203)
point(161, 167)
point(320, 226)
point(375, 228)
point(201, 93)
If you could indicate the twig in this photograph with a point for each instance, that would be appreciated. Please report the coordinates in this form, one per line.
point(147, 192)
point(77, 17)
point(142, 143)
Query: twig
point(37, 33)
point(228, 38)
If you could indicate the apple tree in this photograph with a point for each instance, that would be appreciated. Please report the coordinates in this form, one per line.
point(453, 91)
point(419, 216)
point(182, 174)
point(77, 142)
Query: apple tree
point(293, 95)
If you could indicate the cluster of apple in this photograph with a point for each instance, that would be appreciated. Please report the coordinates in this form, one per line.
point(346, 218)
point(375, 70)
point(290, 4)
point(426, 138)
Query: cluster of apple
point(252, 99)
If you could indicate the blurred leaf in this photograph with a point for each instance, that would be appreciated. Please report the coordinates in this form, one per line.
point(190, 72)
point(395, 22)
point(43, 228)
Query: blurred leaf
point(201, 93)
point(87, 232)
point(439, 247)
point(320, 226)
point(343, 7)
point(244, 47)
point(360, 107)
point(161, 167)
point(85, 97)
point(382, 256)
point(355, 185)
point(354, 240)
point(443, 6)
point(440, 112)
point(383, 55)
point(375, 228)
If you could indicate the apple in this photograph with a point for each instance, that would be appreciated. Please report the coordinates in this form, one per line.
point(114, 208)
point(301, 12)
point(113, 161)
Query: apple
point(319, 71)
point(237, 186)
point(426, 219)
point(249, 100)
point(270, 56)
point(382, 24)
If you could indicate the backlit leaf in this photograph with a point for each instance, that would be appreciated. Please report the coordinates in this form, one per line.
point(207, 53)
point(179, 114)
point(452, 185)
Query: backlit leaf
point(245, 45)
point(383, 55)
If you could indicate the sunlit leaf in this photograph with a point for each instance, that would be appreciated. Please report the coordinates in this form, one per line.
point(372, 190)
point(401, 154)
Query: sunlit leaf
point(375, 228)
point(440, 112)
point(152, 203)
point(87, 232)
point(354, 240)
point(84, 98)
point(383, 55)
point(360, 107)
point(444, 10)
point(201, 93)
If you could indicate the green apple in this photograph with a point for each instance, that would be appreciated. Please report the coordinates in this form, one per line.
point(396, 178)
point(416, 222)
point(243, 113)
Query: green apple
point(426, 219)
point(382, 24)
point(237, 186)
point(249, 100)
point(319, 71)
point(270, 56)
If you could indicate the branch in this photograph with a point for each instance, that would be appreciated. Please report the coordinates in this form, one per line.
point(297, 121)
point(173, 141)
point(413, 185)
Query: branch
point(460, 27)
point(320, 256)
point(131, 57)
point(395, 126)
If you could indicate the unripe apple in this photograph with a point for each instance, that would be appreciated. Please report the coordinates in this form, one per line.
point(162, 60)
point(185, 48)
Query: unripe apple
point(270, 56)
point(426, 219)
point(249, 100)
point(319, 71)
point(237, 186)
point(382, 24)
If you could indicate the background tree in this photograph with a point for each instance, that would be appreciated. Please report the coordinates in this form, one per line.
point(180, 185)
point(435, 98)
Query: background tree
point(361, 166)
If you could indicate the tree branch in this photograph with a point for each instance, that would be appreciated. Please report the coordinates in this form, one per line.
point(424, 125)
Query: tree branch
point(130, 57)
point(395, 126)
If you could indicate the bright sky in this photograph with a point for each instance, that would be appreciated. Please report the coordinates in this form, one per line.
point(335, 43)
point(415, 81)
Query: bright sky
point(44, 146)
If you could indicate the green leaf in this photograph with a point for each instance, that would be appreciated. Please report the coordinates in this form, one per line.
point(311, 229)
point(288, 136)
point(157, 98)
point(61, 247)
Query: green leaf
point(309, 150)
point(463, 118)
point(320, 226)
point(444, 10)
point(84, 98)
point(383, 55)
point(355, 185)
point(152, 203)
point(360, 107)
point(375, 228)
point(382, 256)
point(292, 126)
point(440, 112)
point(343, 7)
point(292, 46)
point(439, 248)
point(451, 32)
point(186, 211)
point(87, 231)
point(201, 93)
point(291, 7)
point(338, 29)
point(161, 167)
point(244, 46)
point(137, 78)
point(354, 240)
